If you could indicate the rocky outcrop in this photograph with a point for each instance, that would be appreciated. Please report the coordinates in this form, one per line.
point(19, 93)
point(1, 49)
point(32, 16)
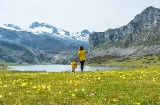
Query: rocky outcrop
point(141, 36)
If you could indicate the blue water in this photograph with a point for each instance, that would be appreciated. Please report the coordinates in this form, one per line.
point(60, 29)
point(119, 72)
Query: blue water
point(59, 68)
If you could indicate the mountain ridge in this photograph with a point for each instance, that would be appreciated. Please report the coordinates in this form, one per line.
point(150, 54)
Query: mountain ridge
point(49, 48)
point(135, 39)
point(141, 36)
point(46, 29)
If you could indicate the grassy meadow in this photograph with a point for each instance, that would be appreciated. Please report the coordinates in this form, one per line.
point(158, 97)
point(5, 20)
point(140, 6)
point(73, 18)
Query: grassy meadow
point(140, 86)
point(142, 62)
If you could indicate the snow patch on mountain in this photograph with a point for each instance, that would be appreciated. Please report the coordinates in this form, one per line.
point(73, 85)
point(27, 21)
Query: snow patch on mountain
point(77, 36)
point(11, 27)
point(61, 31)
point(43, 29)
point(40, 30)
point(49, 30)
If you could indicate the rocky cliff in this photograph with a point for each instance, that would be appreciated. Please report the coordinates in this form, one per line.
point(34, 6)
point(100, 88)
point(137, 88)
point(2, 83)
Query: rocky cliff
point(141, 36)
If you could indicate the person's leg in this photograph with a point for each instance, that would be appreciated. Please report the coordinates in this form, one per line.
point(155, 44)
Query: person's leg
point(73, 69)
point(82, 65)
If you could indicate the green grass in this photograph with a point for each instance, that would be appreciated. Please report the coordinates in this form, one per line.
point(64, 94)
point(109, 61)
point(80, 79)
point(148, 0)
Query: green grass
point(143, 62)
point(121, 87)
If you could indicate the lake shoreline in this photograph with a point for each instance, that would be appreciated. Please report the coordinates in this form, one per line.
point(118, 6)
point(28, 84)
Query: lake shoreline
point(59, 68)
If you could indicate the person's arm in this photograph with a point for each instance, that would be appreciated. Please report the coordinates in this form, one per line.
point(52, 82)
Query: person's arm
point(85, 55)
point(78, 57)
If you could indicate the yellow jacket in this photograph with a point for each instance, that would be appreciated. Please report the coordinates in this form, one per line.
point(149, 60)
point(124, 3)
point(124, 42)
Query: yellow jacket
point(74, 65)
point(82, 55)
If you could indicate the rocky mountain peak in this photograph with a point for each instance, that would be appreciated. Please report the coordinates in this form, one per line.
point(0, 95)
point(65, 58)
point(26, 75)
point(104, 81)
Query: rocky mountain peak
point(36, 25)
point(146, 15)
point(150, 9)
point(85, 32)
point(143, 30)
point(48, 30)
point(12, 27)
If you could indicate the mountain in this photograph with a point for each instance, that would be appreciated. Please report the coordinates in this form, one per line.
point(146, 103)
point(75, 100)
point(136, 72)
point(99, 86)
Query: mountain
point(59, 34)
point(141, 36)
point(33, 41)
point(11, 27)
point(16, 53)
point(46, 29)
point(48, 43)
point(49, 30)
point(37, 30)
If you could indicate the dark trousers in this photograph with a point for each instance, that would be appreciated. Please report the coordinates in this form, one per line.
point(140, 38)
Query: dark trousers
point(73, 69)
point(82, 64)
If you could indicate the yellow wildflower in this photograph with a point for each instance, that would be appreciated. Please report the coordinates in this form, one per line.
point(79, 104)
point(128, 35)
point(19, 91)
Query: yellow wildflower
point(137, 103)
point(99, 78)
point(73, 95)
point(75, 90)
point(10, 93)
point(5, 85)
point(114, 100)
point(34, 87)
point(83, 90)
point(59, 92)
point(153, 79)
point(24, 84)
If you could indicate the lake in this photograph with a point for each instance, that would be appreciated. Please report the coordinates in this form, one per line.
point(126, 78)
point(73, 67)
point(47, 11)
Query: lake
point(59, 68)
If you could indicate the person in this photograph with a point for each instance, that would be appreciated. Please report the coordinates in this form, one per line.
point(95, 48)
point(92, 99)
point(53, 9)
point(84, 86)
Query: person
point(74, 66)
point(82, 56)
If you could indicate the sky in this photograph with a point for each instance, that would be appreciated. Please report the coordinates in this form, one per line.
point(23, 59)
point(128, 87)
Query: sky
point(73, 15)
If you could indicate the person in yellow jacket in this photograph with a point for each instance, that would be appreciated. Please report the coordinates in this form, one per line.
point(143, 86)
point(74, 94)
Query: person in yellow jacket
point(74, 66)
point(82, 56)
